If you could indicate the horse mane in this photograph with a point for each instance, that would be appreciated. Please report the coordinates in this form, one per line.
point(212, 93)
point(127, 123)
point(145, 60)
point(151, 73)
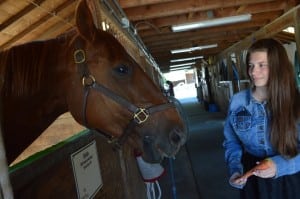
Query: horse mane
point(26, 65)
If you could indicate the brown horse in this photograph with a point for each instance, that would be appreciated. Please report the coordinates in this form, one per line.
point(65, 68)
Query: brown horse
point(87, 72)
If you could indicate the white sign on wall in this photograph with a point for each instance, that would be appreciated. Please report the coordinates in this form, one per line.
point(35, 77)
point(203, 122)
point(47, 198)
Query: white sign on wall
point(86, 170)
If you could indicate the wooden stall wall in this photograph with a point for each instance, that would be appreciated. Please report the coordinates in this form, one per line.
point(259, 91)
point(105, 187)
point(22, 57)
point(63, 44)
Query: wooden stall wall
point(49, 174)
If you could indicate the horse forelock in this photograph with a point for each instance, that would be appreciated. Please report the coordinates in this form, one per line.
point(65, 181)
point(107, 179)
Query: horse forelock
point(25, 67)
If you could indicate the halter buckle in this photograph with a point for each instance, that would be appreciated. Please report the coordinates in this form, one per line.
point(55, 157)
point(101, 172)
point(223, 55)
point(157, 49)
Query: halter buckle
point(79, 56)
point(141, 115)
point(88, 80)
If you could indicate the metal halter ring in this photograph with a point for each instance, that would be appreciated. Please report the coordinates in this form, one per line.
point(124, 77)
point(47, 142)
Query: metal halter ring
point(88, 80)
point(79, 56)
point(141, 115)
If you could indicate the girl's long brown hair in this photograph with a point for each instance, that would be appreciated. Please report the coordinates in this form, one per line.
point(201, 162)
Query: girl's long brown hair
point(283, 101)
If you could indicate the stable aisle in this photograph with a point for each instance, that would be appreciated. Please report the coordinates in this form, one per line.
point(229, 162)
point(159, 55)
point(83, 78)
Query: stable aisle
point(199, 170)
point(206, 153)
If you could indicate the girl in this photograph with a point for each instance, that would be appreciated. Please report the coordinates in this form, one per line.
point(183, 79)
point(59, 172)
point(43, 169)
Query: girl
point(263, 123)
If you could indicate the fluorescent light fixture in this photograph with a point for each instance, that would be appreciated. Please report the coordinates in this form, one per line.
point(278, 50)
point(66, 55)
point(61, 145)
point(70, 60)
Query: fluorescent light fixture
point(211, 22)
point(184, 64)
point(290, 29)
point(181, 68)
point(184, 50)
point(186, 59)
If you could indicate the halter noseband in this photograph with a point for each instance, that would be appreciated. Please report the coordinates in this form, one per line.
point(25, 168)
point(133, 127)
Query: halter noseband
point(140, 115)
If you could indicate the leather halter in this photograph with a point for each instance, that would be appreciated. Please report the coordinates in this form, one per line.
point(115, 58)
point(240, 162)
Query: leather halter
point(140, 115)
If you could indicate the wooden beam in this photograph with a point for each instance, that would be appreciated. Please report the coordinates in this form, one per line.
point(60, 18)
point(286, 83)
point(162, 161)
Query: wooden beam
point(52, 26)
point(184, 37)
point(200, 41)
point(257, 20)
point(136, 3)
point(182, 7)
point(34, 25)
point(269, 30)
point(20, 14)
point(155, 25)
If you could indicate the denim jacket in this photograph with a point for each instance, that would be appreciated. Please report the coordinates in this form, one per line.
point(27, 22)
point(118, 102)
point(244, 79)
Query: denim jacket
point(247, 130)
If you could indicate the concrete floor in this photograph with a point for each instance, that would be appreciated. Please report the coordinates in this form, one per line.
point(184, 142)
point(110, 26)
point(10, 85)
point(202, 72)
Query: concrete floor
point(199, 170)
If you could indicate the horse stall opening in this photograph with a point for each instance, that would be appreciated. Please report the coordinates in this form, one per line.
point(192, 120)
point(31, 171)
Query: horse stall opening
point(52, 168)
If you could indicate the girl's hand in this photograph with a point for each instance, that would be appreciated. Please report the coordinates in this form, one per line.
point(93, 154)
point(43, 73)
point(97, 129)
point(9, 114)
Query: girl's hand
point(263, 169)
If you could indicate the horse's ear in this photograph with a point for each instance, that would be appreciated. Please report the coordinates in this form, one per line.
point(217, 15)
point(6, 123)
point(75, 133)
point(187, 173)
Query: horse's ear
point(84, 21)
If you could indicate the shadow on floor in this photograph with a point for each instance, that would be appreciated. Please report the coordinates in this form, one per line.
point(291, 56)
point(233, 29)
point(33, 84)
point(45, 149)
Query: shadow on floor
point(199, 168)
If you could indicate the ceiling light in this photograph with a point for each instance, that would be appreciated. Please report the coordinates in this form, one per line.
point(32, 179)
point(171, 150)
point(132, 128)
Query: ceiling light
point(211, 23)
point(183, 50)
point(184, 64)
point(186, 59)
point(181, 68)
point(290, 29)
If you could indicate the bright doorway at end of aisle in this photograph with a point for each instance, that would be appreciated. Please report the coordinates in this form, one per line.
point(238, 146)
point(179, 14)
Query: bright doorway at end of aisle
point(184, 83)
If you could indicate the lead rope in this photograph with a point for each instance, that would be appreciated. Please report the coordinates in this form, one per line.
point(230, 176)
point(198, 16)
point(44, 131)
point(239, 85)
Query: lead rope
point(151, 192)
point(124, 173)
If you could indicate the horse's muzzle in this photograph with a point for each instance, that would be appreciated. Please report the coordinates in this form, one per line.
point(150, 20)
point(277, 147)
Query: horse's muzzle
point(156, 149)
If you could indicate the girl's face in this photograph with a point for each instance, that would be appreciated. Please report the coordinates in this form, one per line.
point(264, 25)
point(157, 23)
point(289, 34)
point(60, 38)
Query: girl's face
point(259, 68)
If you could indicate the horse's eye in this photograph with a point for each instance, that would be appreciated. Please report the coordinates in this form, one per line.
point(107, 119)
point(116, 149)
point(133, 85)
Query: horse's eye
point(122, 69)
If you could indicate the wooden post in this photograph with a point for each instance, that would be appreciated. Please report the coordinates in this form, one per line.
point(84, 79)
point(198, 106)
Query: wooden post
point(297, 29)
point(5, 186)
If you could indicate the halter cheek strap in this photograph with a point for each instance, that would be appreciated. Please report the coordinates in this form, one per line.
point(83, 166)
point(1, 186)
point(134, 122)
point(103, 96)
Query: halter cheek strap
point(140, 115)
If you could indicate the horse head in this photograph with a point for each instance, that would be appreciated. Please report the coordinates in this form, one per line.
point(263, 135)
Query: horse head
point(111, 93)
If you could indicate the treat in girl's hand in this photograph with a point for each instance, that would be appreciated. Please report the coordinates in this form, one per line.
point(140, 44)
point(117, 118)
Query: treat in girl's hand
point(265, 164)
